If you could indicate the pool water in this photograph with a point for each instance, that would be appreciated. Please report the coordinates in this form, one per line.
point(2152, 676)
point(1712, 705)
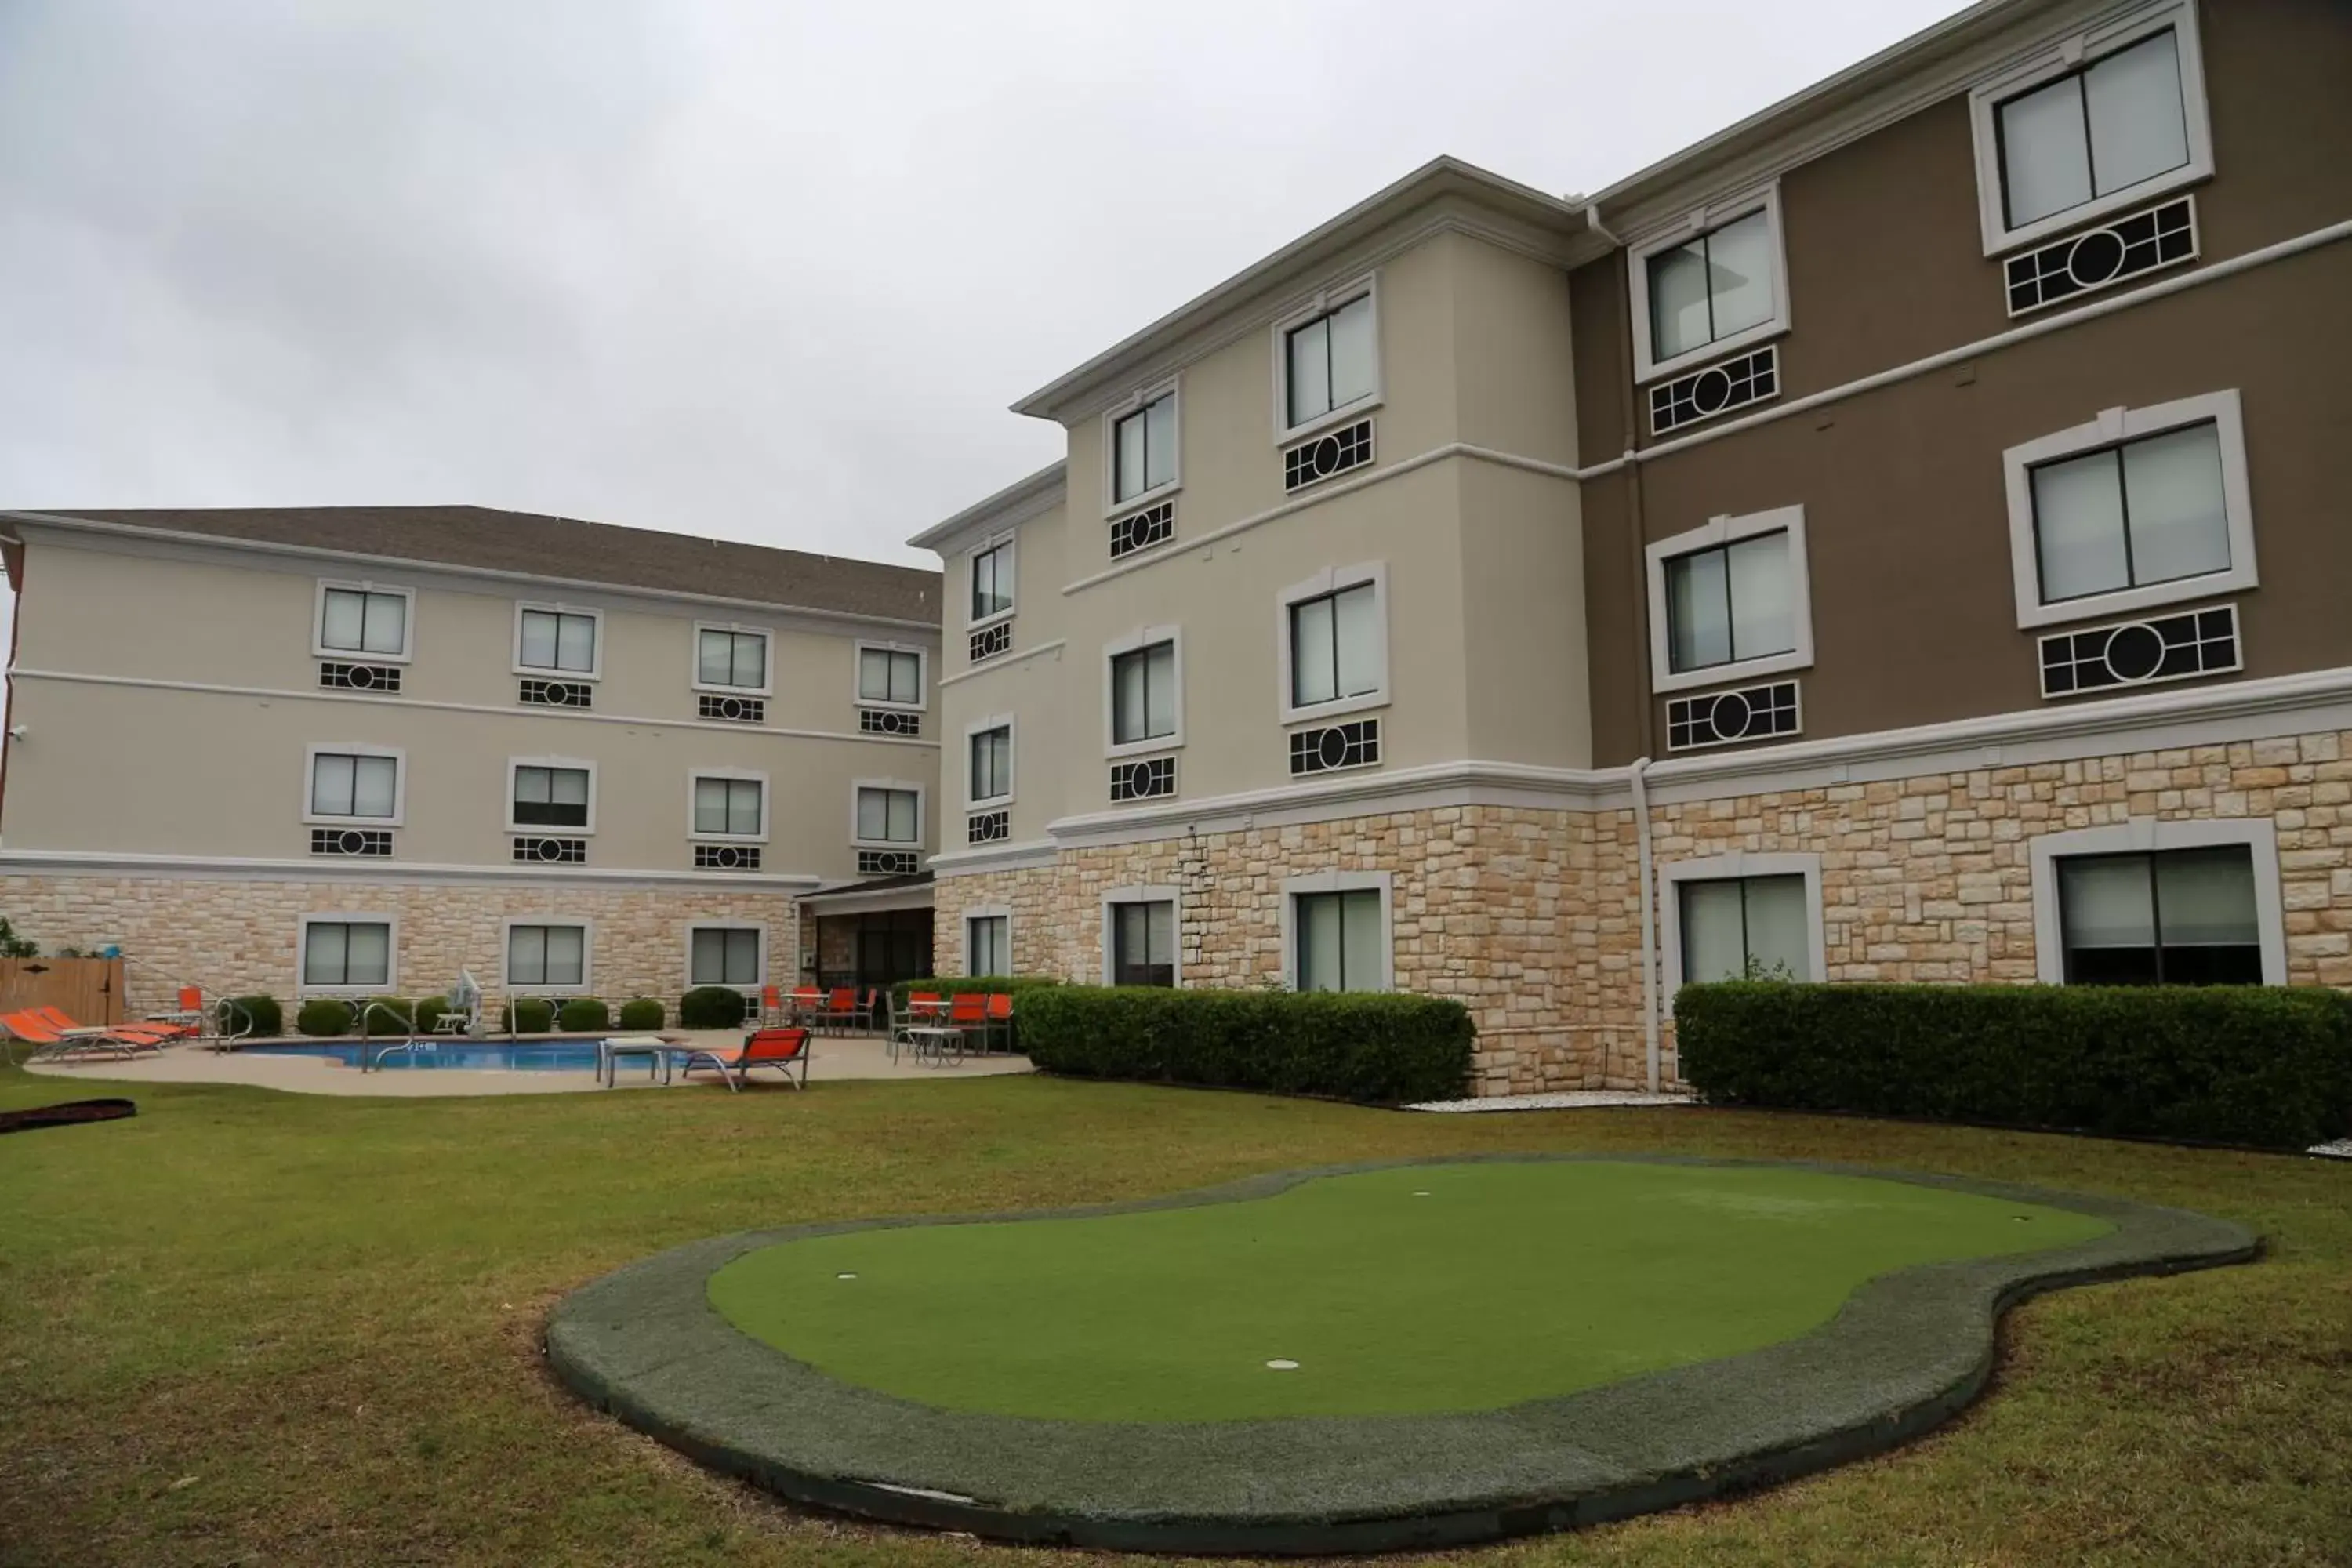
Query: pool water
point(476, 1056)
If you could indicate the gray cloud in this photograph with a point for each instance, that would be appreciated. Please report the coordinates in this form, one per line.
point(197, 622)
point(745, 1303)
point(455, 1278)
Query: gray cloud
point(763, 271)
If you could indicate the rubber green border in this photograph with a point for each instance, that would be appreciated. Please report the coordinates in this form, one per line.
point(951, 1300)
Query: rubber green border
point(1906, 1351)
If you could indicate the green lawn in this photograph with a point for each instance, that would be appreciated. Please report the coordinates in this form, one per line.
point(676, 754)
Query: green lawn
point(247, 1327)
point(1546, 1278)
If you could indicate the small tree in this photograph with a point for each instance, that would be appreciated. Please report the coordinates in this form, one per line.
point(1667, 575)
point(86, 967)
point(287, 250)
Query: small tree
point(14, 946)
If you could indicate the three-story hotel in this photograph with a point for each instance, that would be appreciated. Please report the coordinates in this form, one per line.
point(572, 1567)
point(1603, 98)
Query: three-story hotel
point(1899, 538)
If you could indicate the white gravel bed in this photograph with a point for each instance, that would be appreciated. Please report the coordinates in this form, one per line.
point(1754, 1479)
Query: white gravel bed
point(1572, 1099)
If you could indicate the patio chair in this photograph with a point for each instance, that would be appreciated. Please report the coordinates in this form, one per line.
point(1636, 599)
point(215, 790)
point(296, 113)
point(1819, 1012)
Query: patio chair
point(869, 1010)
point(57, 1018)
point(783, 1049)
point(924, 1004)
point(807, 1003)
point(771, 1004)
point(840, 1010)
point(189, 1011)
point(1000, 1018)
point(968, 1014)
point(49, 1045)
point(899, 1020)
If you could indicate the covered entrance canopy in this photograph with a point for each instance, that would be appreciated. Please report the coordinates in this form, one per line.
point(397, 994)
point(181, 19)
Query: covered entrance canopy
point(868, 934)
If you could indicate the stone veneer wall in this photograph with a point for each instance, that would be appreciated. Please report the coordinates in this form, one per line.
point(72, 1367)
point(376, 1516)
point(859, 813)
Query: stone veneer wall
point(1532, 917)
point(238, 936)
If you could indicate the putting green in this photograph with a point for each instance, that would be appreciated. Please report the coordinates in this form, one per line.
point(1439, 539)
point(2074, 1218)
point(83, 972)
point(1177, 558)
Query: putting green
point(1406, 1290)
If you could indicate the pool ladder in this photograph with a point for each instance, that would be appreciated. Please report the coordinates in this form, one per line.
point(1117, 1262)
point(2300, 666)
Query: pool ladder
point(409, 1045)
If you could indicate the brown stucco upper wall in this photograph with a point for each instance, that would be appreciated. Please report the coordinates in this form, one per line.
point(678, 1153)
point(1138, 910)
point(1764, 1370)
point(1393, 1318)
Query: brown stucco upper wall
point(1596, 297)
point(1914, 611)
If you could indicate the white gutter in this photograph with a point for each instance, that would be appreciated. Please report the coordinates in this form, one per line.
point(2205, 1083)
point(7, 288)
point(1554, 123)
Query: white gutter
point(1633, 772)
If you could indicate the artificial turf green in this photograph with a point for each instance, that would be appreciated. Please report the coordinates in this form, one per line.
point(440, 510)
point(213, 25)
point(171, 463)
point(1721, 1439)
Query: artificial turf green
point(1418, 1290)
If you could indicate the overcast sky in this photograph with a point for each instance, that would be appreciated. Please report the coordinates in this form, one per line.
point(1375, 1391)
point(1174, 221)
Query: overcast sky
point(755, 269)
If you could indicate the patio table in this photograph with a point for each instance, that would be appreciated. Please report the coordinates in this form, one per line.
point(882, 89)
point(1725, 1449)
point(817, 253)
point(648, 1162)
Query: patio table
point(653, 1047)
point(932, 1039)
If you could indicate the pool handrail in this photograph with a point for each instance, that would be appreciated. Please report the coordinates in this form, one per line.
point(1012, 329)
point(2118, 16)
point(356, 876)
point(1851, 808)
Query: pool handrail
point(408, 1043)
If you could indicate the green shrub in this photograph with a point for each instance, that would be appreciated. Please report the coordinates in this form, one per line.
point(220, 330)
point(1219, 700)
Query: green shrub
point(430, 1011)
point(1376, 1048)
point(375, 1024)
point(583, 1015)
point(949, 984)
point(529, 1016)
point(325, 1015)
point(642, 1014)
point(711, 1008)
point(2257, 1065)
point(259, 1017)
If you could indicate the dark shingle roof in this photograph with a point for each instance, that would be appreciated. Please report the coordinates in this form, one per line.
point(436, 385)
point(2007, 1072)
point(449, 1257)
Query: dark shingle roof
point(567, 547)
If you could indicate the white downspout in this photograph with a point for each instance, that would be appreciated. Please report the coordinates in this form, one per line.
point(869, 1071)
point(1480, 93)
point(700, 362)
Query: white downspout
point(1649, 918)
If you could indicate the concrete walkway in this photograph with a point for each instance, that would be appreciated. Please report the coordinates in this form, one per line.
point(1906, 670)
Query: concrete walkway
point(831, 1058)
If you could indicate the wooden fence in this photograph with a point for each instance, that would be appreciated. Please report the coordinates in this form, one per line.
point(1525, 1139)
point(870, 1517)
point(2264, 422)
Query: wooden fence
point(87, 989)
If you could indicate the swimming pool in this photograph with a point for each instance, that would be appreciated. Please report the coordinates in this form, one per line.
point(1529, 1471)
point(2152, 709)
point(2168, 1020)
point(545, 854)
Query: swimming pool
point(476, 1056)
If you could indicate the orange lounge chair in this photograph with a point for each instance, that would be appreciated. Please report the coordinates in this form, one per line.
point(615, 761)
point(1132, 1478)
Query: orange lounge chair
point(49, 1043)
point(782, 1049)
point(55, 1019)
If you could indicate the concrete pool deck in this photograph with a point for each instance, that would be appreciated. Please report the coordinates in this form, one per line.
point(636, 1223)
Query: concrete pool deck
point(832, 1059)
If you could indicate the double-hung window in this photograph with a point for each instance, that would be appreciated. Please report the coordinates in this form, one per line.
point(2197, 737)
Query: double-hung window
point(888, 815)
point(367, 623)
point(550, 796)
point(549, 956)
point(2172, 917)
point(1712, 288)
point(1340, 941)
point(1142, 942)
point(734, 660)
point(1330, 361)
point(729, 807)
point(890, 675)
point(991, 760)
point(727, 955)
point(991, 585)
point(1335, 647)
point(552, 639)
point(987, 945)
point(1746, 928)
point(1143, 694)
point(347, 954)
point(1143, 449)
point(354, 786)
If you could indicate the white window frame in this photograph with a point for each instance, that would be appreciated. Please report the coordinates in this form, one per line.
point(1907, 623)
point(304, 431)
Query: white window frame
point(922, 674)
point(2146, 835)
point(1142, 638)
point(546, 672)
point(1011, 724)
point(1740, 864)
point(1323, 302)
point(1009, 544)
point(587, 985)
point(767, 806)
point(984, 912)
point(1331, 580)
point(1728, 531)
point(767, 686)
point(399, 755)
point(1766, 199)
point(1138, 399)
point(2222, 410)
point(1155, 894)
point(751, 988)
point(922, 814)
point(319, 648)
point(1381, 882)
point(2058, 58)
point(541, 829)
point(391, 987)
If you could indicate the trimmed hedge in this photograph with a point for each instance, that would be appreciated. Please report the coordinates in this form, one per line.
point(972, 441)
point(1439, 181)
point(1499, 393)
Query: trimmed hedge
point(583, 1015)
point(2254, 1065)
point(712, 1007)
point(950, 984)
point(430, 1011)
point(266, 1017)
point(642, 1014)
point(325, 1015)
point(373, 1025)
point(531, 1016)
point(1374, 1048)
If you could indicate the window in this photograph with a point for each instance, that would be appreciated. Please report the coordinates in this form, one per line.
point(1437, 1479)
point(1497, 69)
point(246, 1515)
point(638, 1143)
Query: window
point(1143, 449)
point(1746, 928)
point(988, 944)
point(2098, 123)
point(992, 587)
point(2183, 917)
point(1710, 284)
point(1334, 641)
point(550, 638)
point(2137, 509)
point(552, 957)
point(736, 660)
point(355, 618)
point(1143, 943)
point(354, 786)
point(727, 955)
point(891, 675)
point(1327, 359)
point(1730, 599)
point(1340, 940)
point(347, 953)
point(1143, 704)
point(889, 815)
point(548, 796)
point(991, 762)
point(728, 808)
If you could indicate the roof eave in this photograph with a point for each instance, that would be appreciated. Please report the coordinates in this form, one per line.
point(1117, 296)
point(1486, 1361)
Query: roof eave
point(1016, 502)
